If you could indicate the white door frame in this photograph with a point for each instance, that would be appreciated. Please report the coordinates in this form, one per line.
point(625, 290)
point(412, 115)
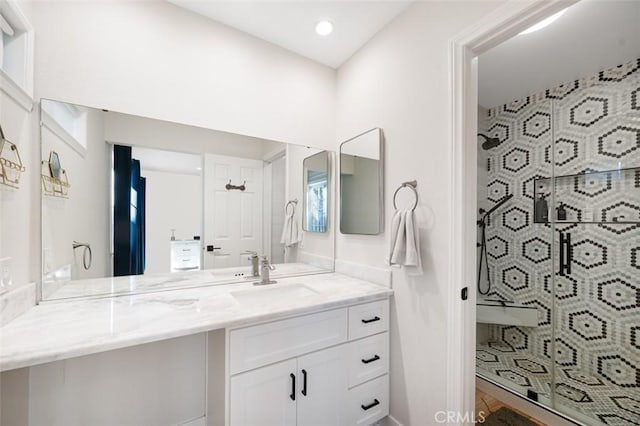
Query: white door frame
point(493, 29)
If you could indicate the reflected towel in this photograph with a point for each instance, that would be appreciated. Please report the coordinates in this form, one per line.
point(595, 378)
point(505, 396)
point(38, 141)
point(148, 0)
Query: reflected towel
point(291, 234)
point(405, 242)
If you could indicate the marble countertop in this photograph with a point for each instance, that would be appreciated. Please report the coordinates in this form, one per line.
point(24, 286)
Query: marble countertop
point(136, 284)
point(56, 331)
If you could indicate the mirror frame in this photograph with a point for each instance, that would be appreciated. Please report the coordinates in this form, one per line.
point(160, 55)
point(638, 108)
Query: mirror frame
point(380, 182)
point(304, 192)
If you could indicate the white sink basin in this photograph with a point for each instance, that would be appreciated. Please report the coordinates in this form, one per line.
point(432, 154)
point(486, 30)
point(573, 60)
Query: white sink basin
point(259, 294)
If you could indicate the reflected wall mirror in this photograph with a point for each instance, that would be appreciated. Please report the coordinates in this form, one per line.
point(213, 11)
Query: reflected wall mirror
point(172, 205)
point(316, 177)
point(361, 184)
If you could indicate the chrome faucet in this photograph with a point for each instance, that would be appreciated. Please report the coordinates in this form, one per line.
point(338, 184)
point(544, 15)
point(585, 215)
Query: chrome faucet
point(265, 268)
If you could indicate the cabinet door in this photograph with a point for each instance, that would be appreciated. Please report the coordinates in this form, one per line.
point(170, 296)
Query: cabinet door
point(265, 396)
point(322, 390)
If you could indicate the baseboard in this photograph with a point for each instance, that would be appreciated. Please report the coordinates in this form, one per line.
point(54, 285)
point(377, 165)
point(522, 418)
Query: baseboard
point(376, 275)
point(389, 421)
point(201, 421)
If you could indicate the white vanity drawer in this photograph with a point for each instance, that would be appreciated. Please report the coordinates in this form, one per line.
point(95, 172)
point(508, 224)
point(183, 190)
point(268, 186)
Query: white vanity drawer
point(186, 260)
point(368, 319)
point(369, 402)
point(263, 344)
point(368, 358)
point(185, 248)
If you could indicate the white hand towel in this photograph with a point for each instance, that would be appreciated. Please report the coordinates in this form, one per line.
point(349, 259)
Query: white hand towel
point(291, 234)
point(405, 242)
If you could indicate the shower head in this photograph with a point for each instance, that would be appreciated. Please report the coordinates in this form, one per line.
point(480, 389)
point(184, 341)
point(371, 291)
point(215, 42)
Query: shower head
point(489, 143)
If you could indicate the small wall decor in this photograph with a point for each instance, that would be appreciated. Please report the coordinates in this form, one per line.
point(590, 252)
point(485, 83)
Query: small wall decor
point(55, 181)
point(11, 166)
point(230, 187)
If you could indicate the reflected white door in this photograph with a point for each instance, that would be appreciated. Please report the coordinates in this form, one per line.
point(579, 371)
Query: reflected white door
point(232, 218)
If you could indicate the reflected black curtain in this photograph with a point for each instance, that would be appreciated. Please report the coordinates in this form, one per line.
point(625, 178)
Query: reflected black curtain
point(128, 214)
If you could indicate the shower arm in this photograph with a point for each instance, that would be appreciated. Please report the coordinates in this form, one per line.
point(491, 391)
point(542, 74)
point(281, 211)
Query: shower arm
point(494, 208)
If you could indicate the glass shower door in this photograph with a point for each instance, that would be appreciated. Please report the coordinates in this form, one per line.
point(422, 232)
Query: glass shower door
point(595, 212)
point(516, 309)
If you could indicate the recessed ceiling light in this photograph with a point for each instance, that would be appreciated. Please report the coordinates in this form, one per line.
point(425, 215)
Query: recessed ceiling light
point(198, 168)
point(324, 28)
point(545, 22)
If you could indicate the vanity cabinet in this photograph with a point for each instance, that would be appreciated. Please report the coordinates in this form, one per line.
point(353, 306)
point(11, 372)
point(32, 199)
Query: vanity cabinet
point(262, 396)
point(185, 255)
point(327, 368)
point(306, 391)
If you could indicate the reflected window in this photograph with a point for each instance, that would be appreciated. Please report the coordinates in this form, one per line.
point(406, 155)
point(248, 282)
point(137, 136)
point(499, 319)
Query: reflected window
point(316, 192)
point(317, 201)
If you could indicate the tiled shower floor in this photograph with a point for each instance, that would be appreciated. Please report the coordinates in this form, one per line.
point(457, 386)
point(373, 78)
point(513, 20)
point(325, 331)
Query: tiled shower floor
point(590, 399)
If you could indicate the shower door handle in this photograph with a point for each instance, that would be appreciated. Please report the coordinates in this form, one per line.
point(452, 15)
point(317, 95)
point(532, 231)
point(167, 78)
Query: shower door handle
point(566, 254)
point(569, 250)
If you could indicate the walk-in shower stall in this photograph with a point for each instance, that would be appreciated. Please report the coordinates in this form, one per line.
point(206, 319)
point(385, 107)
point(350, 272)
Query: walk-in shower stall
point(560, 320)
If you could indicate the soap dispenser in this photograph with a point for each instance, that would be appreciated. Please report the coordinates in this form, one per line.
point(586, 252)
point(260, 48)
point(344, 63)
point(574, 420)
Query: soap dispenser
point(541, 210)
point(562, 212)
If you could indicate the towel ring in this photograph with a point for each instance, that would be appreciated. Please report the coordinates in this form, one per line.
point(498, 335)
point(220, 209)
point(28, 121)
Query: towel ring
point(87, 256)
point(292, 203)
point(412, 185)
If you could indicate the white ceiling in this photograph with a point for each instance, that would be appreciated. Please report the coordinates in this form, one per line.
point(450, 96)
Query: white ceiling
point(167, 161)
point(590, 36)
point(291, 24)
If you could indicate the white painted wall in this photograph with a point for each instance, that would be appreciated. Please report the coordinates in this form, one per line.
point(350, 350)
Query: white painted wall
point(159, 383)
point(278, 200)
point(19, 209)
point(173, 201)
point(154, 59)
point(360, 196)
point(399, 82)
point(126, 129)
point(68, 220)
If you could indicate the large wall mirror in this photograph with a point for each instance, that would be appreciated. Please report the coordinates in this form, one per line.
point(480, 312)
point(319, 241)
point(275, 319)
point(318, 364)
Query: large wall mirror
point(361, 184)
point(131, 204)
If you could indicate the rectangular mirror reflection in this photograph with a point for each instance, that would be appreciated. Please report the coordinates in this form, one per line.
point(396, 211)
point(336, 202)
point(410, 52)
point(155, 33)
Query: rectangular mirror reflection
point(361, 168)
point(132, 204)
point(316, 192)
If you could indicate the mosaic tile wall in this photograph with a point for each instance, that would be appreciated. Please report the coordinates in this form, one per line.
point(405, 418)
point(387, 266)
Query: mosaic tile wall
point(596, 123)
